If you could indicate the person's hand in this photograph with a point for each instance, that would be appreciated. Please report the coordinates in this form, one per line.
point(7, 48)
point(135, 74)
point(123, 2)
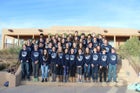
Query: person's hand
point(92, 65)
point(100, 67)
point(86, 65)
point(36, 62)
point(21, 61)
point(56, 65)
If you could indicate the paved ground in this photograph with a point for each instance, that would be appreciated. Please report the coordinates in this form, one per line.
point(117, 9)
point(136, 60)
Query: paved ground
point(59, 89)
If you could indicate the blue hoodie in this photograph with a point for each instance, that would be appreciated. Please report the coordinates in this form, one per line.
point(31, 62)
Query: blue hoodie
point(108, 48)
point(103, 60)
point(35, 56)
point(113, 60)
point(44, 60)
point(66, 60)
point(80, 60)
point(60, 59)
point(95, 59)
point(24, 55)
point(54, 57)
point(72, 59)
point(88, 59)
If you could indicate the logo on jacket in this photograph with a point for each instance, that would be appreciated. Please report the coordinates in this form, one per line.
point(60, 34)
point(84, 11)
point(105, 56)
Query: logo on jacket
point(95, 57)
point(60, 55)
point(104, 58)
point(53, 55)
point(72, 57)
point(24, 54)
point(87, 57)
point(113, 57)
point(80, 58)
point(67, 57)
point(36, 54)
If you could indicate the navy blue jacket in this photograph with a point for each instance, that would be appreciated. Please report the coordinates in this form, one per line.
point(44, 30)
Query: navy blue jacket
point(72, 59)
point(112, 58)
point(95, 59)
point(103, 60)
point(53, 57)
point(35, 56)
point(44, 60)
point(24, 55)
point(60, 59)
point(49, 51)
point(108, 48)
point(88, 59)
point(80, 60)
point(66, 60)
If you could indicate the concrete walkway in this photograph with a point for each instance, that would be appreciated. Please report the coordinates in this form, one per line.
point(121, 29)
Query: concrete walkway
point(50, 89)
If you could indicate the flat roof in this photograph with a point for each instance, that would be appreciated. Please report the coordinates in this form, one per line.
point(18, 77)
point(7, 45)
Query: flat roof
point(71, 29)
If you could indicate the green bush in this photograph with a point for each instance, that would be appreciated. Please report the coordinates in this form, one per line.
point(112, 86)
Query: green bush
point(131, 47)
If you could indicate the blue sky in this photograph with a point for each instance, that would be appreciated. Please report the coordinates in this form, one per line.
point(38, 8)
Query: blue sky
point(47, 13)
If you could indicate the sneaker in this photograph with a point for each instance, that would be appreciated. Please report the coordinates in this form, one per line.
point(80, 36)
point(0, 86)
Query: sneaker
point(42, 80)
point(46, 80)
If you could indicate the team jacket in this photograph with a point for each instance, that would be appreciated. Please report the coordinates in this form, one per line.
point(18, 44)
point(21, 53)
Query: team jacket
point(24, 55)
point(72, 59)
point(44, 60)
point(103, 60)
point(95, 59)
point(35, 56)
point(60, 59)
point(112, 58)
point(66, 60)
point(80, 60)
point(87, 59)
point(53, 57)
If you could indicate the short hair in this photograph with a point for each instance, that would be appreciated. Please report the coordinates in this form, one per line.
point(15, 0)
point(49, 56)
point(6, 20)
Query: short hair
point(41, 34)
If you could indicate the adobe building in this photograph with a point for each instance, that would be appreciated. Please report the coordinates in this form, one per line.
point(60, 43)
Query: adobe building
point(116, 36)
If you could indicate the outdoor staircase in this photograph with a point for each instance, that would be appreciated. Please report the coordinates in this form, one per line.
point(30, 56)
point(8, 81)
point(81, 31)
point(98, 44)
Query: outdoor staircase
point(126, 75)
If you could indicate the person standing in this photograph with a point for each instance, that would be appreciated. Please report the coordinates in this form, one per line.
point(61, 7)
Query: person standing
point(94, 65)
point(79, 64)
point(113, 60)
point(44, 65)
point(24, 59)
point(35, 56)
point(103, 65)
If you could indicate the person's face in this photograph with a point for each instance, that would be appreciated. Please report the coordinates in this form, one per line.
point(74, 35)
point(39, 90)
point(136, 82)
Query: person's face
point(35, 47)
point(72, 51)
point(95, 50)
point(87, 50)
point(53, 49)
point(104, 51)
point(80, 51)
point(112, 50)
point(66, 50)
point(74, 45)
point(80, 45)
point(105, 42)
point(24, 47)
point(45, 51)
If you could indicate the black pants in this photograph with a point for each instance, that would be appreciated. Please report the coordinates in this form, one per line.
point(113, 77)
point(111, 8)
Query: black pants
point(59, 70)
point(103, 72)
point(72, 71)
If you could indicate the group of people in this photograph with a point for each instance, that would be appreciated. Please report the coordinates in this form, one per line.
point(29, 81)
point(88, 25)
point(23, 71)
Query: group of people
point(69, 57)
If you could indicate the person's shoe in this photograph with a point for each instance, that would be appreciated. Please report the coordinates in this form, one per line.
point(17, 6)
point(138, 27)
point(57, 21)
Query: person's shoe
point(28, 79)
point(42, 80)
point(108, 81)
point(46, 80)
point(116, 81)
